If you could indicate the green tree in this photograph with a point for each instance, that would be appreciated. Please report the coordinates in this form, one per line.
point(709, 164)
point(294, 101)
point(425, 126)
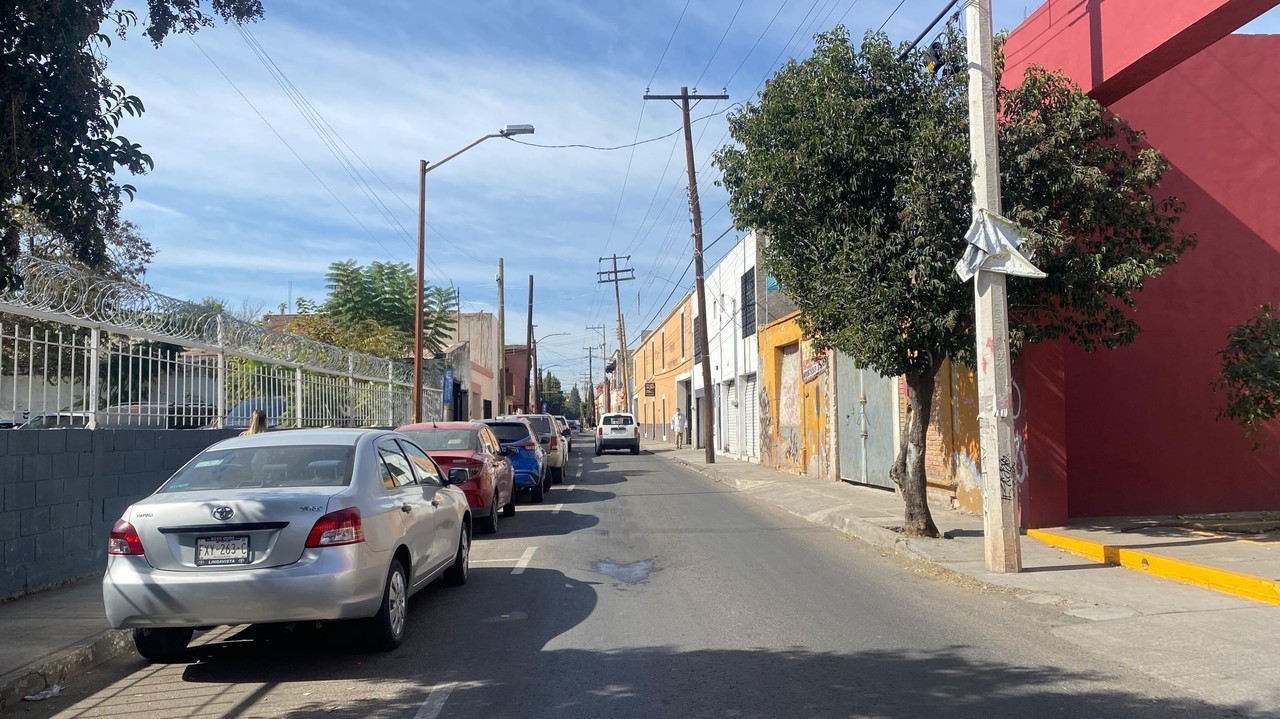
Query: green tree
point(60, 115)
point(552, 394)
point(855, 166)
point(383, 293)
point(573, 405)
point(1250, 376)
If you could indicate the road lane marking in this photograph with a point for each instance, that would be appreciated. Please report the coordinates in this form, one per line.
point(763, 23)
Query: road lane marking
point(494, 561)
point(557, 509)
point(524, 560)
point(430, 708)
point(570, 488)
point(579, 474)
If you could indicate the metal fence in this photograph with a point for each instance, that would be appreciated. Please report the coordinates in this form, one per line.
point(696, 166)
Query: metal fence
point(81, 350)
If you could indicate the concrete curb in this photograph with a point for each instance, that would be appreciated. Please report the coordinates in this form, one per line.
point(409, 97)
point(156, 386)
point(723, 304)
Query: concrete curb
point(1221, 580)
point(57, 667)
point(853, 526)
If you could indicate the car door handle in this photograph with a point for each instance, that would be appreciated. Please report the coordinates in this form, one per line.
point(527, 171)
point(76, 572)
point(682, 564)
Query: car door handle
point(406, 508)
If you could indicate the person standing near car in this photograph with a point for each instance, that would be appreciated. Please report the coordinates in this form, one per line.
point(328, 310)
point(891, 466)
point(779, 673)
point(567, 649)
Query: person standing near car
point(678, 426)
point(257, 423)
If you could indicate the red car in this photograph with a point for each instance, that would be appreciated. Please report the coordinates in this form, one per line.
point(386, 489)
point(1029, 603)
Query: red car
point(471, 445)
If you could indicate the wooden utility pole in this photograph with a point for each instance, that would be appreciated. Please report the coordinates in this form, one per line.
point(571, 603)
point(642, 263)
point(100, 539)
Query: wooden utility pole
point(501, 409)
point(617, 277)
point(995, 416)
point(528, 348)
point(604, 362)
point(591, 375)
point(708, 411)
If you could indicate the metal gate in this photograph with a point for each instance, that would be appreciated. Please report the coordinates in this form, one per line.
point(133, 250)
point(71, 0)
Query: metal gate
point(865, 406)
point(751, 430)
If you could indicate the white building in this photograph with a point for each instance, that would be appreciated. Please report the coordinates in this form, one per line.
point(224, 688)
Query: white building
point(733, 317)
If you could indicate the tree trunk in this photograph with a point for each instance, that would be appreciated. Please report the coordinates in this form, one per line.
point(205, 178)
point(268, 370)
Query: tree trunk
point(908, 467)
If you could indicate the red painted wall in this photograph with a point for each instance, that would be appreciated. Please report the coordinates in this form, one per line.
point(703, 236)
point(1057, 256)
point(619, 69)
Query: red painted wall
point(1140, 422)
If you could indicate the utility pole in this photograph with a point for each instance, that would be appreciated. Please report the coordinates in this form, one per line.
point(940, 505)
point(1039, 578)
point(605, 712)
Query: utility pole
point(617, 277)
point(708, 411)
point(501, 409)
point(591, 372)
point(995, 418)
point(528, 348)
point(604, 360)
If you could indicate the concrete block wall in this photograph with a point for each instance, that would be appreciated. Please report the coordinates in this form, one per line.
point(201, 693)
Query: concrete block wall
point(61, 490)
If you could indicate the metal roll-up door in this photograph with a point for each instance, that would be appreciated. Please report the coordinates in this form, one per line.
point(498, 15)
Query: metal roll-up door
point(751, 432)
point(729, 433)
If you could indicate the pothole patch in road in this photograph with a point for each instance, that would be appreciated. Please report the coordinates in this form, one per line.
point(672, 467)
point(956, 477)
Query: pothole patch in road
point(625, 572)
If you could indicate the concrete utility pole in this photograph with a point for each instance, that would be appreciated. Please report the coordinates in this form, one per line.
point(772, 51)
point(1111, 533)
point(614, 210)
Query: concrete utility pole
point(708, 410)
point(528, 348)
point(995, 416)
point(502, 342)
point(617, 277)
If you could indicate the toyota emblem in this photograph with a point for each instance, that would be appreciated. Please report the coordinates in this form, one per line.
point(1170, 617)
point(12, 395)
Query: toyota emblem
point(223, 513)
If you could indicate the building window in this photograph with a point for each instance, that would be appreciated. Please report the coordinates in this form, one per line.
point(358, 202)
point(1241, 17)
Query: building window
point(664, 349)
point(749, 302)
point(697, 342)
point(683, 354)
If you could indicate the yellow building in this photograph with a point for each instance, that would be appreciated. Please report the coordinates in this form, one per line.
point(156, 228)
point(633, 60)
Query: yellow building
point(662, 365)
point(793, 400)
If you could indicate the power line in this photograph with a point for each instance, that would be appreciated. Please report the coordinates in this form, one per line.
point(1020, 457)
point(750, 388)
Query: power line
point(620, 147)
point(668, 46)
point(290, 147)
point(757, 42)
point(925, 31)
point(895, 12)
point(717, 50)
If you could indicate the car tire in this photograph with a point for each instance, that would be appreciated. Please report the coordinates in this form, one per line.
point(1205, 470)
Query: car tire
point(635, 449)
point(509, 509)
point(489, 524)
point(457, 573)
point(557, 475)
point(535, 494)
point(386, 629)
point(599, 451)
point(162, 644)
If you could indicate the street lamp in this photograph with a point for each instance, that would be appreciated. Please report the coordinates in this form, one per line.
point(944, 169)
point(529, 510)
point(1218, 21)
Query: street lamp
point(506, 131)
point(537, 374)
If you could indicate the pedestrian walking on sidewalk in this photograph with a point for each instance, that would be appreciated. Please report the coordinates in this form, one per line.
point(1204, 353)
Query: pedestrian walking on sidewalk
point(678, 426)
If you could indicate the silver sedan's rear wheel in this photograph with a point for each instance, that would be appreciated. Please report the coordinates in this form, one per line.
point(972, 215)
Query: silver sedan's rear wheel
point(458, 572)
point(388, 625)
point(162, 644)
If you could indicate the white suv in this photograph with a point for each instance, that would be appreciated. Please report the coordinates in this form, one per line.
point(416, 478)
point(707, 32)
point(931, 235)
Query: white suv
point(618, 430)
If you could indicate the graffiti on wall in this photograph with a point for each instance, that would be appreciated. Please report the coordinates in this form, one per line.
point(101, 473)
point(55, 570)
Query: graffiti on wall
point(766, 430)
point(789, 409)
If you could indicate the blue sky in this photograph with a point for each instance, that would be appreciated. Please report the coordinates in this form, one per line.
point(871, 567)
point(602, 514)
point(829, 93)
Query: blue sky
point(235, 214)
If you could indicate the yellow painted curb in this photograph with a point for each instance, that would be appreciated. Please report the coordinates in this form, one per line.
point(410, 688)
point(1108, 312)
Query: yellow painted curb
point(1241, 585)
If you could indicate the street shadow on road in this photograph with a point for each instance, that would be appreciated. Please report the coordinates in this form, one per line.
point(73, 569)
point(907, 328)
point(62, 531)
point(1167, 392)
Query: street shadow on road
point(542, 523)
point(581, 495)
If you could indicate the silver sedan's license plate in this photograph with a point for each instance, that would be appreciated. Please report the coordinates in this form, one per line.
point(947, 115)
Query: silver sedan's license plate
point(222, 549)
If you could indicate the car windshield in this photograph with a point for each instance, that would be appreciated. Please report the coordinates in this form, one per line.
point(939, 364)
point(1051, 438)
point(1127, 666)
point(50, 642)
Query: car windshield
point(270, 467)
point(617, 420)
point(443, 439)
point(510, 431)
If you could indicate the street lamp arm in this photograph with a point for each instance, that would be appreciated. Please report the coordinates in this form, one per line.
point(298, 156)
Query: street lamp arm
point(429, 167)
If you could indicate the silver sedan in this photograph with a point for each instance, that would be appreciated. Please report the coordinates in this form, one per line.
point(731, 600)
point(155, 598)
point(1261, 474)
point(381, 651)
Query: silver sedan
point(305, 525)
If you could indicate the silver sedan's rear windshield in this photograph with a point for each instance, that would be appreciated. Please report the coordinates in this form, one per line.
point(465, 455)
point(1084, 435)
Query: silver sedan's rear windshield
point(321, 465)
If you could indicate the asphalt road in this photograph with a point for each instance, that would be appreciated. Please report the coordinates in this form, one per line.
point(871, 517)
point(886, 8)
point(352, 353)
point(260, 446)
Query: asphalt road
point(642, 590)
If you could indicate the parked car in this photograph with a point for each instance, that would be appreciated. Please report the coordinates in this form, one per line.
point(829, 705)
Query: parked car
point(618, 430)
point(575, 425)
point(58, 420)
point(528, 459)
point(302, 526)
point(552, 443)
point(565, 431)
point(473, 447)
point(157, 415)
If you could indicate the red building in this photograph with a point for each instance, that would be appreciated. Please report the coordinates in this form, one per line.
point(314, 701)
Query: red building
point(1134, 431)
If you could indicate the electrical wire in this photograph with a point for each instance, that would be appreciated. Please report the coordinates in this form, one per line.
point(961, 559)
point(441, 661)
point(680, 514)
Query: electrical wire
point(891, 14)
point(623, 147)
point(669, 39)
point(717, 50)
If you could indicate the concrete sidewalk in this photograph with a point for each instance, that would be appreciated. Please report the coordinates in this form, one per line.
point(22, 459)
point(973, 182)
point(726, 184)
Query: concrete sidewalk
point(1216, 644)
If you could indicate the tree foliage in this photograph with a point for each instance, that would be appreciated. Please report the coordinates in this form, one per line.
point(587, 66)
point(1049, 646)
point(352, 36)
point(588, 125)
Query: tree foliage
point(60, 115)
point(573, 405)
point(855, 165)
point(1250, 376)
point(370, 309)
point(552, 394)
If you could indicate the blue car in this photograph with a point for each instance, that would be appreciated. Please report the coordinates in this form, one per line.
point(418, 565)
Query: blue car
point(530, 461)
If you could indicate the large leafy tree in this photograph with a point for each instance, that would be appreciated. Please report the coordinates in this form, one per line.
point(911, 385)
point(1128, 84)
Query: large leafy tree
point(573, 405)
point(60, 115)
point(855, 165)
point(1250, 377)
